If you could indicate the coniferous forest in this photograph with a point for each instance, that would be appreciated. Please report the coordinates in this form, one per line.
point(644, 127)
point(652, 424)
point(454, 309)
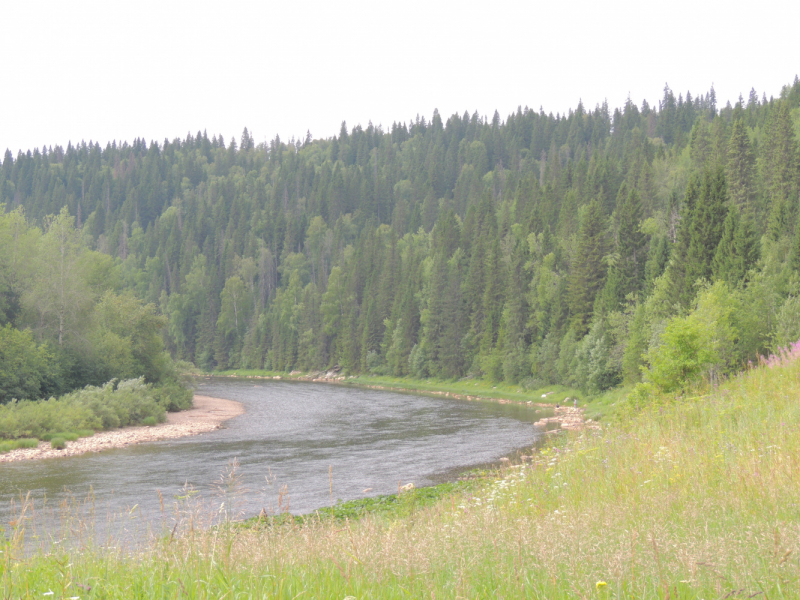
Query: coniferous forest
point(653, 243)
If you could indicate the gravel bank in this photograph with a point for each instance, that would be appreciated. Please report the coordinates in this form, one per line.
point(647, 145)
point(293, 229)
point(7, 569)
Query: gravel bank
point(207, 414)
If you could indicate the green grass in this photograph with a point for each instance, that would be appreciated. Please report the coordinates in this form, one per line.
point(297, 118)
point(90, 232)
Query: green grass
point(693, 497)
point(9, 445)
point(388, 506)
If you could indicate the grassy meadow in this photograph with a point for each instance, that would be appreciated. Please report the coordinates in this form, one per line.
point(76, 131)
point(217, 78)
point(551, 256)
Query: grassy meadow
point(691, 497)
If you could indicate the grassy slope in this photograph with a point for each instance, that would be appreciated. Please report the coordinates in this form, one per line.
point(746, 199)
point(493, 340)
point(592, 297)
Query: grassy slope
point(691, 498)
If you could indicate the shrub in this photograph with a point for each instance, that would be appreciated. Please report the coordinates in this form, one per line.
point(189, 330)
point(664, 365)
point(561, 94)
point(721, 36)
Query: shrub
point(149, 421)
point(173, 397)
point(58, 443)
point(82, 412)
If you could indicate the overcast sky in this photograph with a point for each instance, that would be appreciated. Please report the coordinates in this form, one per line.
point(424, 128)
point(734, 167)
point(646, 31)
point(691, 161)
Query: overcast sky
point(104, 70)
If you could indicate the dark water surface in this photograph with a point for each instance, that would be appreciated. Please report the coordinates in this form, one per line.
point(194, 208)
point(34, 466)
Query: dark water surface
point(303, 436)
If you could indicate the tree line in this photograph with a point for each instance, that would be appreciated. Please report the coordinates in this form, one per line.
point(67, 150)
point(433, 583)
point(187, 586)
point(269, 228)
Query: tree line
point(587, 249)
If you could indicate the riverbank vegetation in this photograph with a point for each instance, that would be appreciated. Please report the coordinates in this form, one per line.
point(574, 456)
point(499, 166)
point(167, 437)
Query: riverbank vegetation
point(78, 352)
point(84, 411)
point(694, 495)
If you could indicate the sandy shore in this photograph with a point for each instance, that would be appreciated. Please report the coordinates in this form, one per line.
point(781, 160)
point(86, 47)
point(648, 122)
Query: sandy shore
point(206, 415)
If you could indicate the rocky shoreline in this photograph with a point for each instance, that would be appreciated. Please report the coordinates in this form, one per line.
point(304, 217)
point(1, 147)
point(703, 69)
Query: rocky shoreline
point(206, 415)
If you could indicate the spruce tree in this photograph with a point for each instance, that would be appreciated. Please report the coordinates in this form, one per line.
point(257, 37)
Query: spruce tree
point(588, 273)
point(626, 275)
point(705, 232)
point(680, 250)
point(740, 169)
point(780, 169)
point(738, 248)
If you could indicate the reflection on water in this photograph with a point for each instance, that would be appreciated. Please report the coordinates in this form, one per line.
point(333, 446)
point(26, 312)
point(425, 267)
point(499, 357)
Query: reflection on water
point(321, 442)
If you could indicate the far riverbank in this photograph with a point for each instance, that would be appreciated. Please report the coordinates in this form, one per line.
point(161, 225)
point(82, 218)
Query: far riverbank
point(206, 414)
point(568, 411)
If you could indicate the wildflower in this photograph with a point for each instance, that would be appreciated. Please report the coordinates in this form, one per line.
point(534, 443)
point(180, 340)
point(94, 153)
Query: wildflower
point(601, 585)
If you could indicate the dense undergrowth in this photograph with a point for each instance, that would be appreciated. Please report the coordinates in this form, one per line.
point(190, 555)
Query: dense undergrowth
point(691, 496)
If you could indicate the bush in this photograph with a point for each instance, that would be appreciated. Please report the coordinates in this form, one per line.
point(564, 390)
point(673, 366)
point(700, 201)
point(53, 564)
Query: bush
point(173, 397)
point(149, 421)
point(58, 443)
point(82, 412)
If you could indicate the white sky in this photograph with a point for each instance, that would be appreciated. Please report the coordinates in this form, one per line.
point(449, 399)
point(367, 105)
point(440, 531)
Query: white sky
point(103, 70)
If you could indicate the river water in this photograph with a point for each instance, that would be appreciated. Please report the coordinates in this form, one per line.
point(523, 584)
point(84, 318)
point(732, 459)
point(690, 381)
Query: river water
point(302, 443)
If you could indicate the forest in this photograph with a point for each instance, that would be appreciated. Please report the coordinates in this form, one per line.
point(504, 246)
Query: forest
point(650, 245)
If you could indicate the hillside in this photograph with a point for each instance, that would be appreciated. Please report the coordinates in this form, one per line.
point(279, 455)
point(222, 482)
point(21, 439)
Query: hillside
point(573, 249)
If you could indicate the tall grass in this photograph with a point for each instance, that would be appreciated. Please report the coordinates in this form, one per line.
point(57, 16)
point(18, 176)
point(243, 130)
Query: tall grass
point(693, 497)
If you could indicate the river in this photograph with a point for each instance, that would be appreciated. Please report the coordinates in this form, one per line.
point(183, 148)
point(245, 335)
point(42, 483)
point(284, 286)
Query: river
point(302, 443)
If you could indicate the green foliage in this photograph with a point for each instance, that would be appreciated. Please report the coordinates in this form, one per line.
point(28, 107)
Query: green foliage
point(550, 248)
point(596, 368)
point(703, 342)
point(128, 342)
point(172, 396)
point(92, 408)
point(27, 369)
point(58, 443)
